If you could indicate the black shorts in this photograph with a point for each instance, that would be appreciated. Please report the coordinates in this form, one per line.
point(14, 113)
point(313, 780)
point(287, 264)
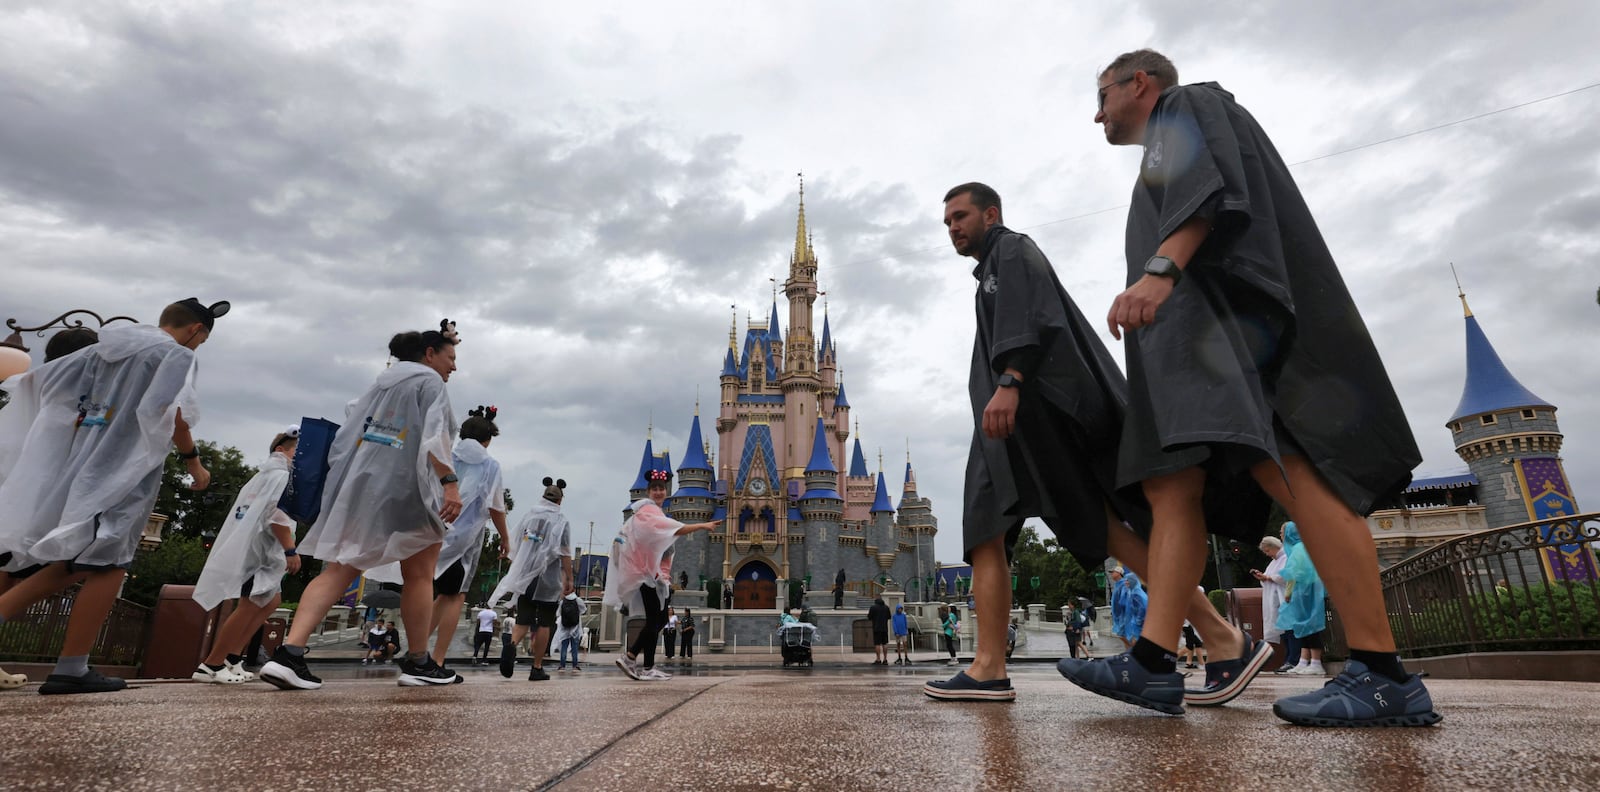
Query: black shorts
point(535, 613)
point(449, 583)
point(880, 637)
point(1191, 638)
point(249, 586)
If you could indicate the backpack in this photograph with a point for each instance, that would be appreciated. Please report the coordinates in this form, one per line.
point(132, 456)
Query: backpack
point(569, 613)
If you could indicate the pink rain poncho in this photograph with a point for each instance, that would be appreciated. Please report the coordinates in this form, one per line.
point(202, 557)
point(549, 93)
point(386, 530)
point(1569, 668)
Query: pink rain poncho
point(641, 555)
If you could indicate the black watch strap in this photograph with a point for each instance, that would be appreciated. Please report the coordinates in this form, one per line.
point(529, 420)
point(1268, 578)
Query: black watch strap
point(448, 478)
point(1008, 381)
point(1164, 267)
point(194, 454)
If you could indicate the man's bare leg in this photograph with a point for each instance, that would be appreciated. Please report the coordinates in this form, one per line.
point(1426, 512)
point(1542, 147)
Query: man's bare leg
point(416, 599)
point(89, 610)
point(541, 643)
point(1340, 544)
point(1126, 546)
point(319, 596)
point(1177, 552)
point(445, 609)
point(240, 625)
point(991, 593)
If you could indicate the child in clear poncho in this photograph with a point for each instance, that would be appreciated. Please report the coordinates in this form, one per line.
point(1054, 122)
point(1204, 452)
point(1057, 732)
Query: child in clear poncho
point(640, 577)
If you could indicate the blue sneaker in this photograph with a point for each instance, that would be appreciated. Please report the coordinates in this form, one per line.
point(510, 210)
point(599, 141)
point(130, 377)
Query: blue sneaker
point(964, 688)
point(1122, 678)
point(1226, 679)
point(1359, 697)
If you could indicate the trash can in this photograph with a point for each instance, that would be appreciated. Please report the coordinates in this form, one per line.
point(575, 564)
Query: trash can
point(275, 630)
point(180, 635)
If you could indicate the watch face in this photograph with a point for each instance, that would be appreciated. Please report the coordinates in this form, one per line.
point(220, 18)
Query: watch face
point(758, 487)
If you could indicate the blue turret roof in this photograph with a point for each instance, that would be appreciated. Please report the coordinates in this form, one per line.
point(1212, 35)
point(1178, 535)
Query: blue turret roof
point(858, 462)
point(774, 332)
point(881, 502)
point(827, 335)
point(840, 400)
point(645, 466)
point(730, 367)
point(1490, 386)
point(821, 461)
point(695, 459)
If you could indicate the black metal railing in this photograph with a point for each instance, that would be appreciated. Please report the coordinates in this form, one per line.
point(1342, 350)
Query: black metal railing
point(1528, 587)
point(36, 634)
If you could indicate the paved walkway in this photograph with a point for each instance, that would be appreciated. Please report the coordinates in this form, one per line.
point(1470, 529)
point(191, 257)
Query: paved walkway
point(726, 729)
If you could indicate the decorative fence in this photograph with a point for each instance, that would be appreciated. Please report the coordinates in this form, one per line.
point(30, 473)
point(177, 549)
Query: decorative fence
point(1528, 587)
point(35, 636)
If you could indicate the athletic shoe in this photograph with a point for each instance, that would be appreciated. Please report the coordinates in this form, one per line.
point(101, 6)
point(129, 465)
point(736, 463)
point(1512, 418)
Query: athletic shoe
point(508, 660)
point(288, 672)
point(561, 667)
point(1122, 678)
point(1308, 668)
point(655, 675)
point(423, 674)
point(222, 676)
point(577, 667)
point(91, 682)
point(964, 688)
point(950, 662)
point(1359, 697)
point(1226, 679)
point(630, 667)
point(1283, 669)
point(238, 668)
point(538, 674)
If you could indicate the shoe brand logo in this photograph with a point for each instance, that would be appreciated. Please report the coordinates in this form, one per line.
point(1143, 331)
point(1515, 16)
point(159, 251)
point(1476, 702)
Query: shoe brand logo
point(1125, 679)
point(1378, 695)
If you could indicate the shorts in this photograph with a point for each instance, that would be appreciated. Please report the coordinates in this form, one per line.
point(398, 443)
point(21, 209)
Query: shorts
point(449, 583)
point(1191, 639)
point(249, 586)
point(880, 637)
point(535, 613)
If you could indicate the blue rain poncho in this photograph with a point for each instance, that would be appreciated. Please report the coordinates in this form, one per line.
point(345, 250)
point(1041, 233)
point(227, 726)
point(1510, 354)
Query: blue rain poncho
point(1128, 603)
point(1302, 612)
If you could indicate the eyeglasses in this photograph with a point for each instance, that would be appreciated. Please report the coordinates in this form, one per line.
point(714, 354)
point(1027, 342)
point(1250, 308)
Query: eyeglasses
point(1101, 94)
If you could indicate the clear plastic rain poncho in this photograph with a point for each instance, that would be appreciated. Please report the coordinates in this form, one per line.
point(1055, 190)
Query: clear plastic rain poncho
point(82, 445)
point(641, 555)
point(563, 632)
point(538, 544)
point(1303, 612)
point(1272, 598)
point(246, 548)
point(481, 490)
point(1128, 603)
point(382, 497)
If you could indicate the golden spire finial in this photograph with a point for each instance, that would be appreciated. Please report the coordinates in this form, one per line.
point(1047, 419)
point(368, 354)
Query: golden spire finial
point(908, 452)
point(733, 330)
point(650, 428)
point(801, 236)
point(858, 427)
point(880, 460)
point(1459, 292)
point(697, 401)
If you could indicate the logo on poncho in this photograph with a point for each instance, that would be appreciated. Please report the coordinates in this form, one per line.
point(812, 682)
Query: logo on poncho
point(92, 414)
point(1153, 159)
point(991, 284)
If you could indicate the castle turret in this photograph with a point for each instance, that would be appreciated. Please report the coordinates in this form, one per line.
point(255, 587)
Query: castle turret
point(1508, 437)
point(694, 501)
point(821, 499)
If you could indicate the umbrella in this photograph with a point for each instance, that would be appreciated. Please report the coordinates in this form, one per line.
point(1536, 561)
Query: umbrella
point(382, 598)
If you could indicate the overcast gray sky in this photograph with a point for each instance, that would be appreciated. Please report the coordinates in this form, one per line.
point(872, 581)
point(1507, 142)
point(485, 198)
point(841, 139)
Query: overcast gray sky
point(586, 188)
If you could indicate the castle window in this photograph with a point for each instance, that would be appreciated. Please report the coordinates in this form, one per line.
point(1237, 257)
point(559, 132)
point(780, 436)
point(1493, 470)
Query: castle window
point(1528, 415)
point(1456, 427)
point(1487, 420)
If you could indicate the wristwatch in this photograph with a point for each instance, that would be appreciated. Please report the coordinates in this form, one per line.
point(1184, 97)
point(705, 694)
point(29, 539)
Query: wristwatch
point(191, 454)
point(1008, 381)
point(290, 553)
point(1163, 267)
point(448, 478)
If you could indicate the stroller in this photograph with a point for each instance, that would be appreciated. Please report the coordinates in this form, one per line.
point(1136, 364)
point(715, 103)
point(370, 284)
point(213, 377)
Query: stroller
point(797, 638)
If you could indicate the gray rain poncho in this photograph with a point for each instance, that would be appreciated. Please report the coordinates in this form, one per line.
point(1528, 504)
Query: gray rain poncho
point(82, 444)
point(382, 497)
point(537, 545)
point(482, 491)
point(246, 548)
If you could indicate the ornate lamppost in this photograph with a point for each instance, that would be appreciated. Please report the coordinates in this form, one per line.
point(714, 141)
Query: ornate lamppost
point(14, 358)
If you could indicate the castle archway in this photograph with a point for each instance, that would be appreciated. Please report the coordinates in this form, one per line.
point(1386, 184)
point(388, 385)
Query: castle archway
point(755, 586)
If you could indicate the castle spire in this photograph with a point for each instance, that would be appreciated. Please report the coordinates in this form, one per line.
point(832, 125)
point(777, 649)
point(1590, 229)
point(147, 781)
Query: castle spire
point(801, 237)
point(1490, 386)
point(733, 330)
point(1459, 292)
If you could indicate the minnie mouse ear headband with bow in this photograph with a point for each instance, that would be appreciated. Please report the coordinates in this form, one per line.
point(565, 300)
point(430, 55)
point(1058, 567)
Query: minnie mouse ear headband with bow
point(554, 490)
point(206, 314)
point(488, 413)
point(447, 329)
point(658, 477)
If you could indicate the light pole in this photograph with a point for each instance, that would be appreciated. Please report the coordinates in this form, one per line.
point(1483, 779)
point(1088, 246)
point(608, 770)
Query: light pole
point(14, 358)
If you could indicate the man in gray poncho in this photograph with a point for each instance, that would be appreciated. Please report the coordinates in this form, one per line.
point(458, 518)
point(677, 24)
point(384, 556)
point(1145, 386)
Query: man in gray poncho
point(1251, 374)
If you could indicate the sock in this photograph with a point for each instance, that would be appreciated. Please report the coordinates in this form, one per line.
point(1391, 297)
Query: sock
point(1385, 663)
point(235, 659)
point(72, 666)
point(295, 651)
point(214, 668)
point(1155, 659)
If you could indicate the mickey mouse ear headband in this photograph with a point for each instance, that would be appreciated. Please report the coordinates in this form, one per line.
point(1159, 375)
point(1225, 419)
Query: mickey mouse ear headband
point(658, 476)
point(488, 413)
point(207, 314)
point(447, 329)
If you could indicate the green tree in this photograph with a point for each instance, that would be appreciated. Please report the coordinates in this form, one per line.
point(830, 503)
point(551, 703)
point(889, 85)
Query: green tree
point(178, 560)
point(199, 514)
point(1060, 575)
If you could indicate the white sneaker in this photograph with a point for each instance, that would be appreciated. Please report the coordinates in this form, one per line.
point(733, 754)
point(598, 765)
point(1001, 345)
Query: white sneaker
point(238, 668)
point(655, 675)
point(629, 667)
point(1303, 668)
point(1315, 669)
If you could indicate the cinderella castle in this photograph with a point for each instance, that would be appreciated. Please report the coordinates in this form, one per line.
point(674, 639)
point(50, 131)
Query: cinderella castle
point(791, 509)
point(1511, 444)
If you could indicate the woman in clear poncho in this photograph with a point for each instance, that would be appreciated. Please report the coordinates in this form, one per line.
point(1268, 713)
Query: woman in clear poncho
point(1303, 613)
point(640, 578)
point(253, 550)
point(1128, 603)
point(389, 493)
